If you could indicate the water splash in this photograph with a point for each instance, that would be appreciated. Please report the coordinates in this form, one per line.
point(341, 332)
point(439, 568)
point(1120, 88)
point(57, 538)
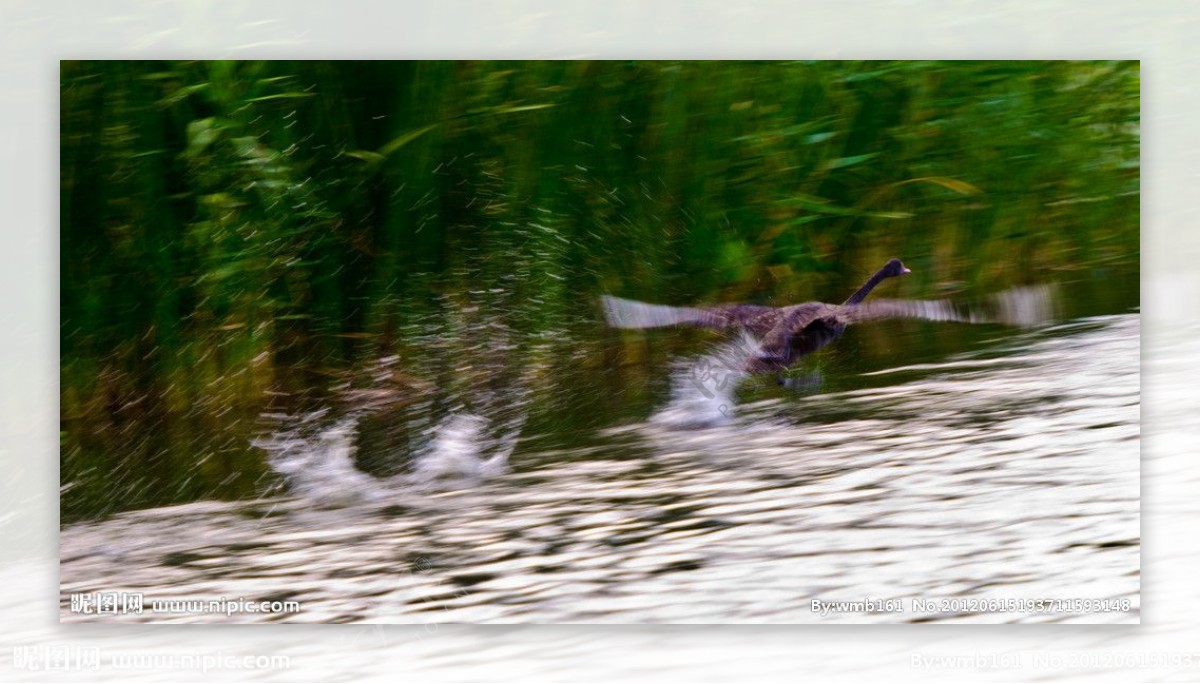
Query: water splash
point(702, 389)
point(319, 464)
point(460, 450)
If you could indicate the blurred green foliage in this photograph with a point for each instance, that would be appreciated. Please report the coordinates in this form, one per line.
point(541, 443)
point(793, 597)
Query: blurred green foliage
point(228, 225)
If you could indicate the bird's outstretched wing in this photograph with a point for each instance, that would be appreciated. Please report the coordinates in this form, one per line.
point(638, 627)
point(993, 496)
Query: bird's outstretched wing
point(627, 313)
point(882, 309)
point(1022, 306)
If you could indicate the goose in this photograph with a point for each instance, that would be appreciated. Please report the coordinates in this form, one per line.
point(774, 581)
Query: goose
point(788, 334)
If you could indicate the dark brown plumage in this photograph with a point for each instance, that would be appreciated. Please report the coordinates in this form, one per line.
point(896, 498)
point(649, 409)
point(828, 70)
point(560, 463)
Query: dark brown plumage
point(786, 334)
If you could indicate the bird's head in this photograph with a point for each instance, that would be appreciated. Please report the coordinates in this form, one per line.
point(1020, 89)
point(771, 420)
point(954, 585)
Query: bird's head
point(894, 268)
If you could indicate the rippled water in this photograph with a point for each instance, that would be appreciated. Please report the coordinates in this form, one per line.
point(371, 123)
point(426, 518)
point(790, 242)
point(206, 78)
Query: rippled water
point(1007, 471)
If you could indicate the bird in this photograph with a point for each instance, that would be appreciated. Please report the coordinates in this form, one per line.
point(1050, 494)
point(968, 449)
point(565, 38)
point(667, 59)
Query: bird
point(788, 334)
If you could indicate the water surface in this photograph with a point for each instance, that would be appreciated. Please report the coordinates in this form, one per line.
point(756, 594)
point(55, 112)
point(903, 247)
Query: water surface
point(1005, 468)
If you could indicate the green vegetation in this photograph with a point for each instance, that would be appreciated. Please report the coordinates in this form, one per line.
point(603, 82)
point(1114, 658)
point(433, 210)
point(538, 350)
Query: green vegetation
point(232, 229)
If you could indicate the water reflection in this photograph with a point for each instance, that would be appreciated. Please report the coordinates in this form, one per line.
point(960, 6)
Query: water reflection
point(1009, 470)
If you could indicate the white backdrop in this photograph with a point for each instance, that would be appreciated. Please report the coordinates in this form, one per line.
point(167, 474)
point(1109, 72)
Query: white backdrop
point(37, 33)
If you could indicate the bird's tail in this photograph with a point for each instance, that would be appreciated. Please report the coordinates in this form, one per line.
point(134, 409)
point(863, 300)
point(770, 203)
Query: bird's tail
point(626, 313)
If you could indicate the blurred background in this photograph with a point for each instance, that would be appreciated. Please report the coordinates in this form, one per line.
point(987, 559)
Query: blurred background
point(241, 236)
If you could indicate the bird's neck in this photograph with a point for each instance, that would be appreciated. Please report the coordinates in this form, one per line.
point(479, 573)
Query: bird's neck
point(865, 290)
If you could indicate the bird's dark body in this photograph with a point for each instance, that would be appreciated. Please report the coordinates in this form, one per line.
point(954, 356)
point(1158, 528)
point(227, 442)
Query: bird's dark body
point(801, 329)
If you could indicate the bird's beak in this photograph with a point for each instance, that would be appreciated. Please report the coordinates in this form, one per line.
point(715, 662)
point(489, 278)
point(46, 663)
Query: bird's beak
point(906, 271)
